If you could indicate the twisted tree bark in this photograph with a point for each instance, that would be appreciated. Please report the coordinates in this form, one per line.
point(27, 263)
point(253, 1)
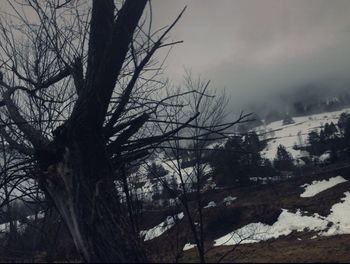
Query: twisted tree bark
point(82, 189)
point(77, 168)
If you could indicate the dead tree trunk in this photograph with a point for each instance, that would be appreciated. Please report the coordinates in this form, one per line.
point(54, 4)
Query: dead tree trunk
point(75, 169)
point(82, 188)
point(81, 180)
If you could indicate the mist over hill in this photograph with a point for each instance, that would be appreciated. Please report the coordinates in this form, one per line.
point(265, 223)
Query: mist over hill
point(300, 101)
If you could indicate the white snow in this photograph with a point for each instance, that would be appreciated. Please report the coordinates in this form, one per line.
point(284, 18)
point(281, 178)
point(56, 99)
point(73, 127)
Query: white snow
point(146, 187)
point(188, 246)
point(159, 229)
point(188, 174)
point(292, 134)
point(286, 223)
point(40, 215)
point(274, 132)
point(340, 216)
point(20, 226)
point(324, 157)
point(228, 200)
point(299, 162)
point(216, 145)
point(318, 186)
point(210, 204)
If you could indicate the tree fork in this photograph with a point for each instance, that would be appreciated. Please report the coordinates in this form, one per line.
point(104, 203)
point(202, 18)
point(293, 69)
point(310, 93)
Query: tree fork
point(79, 180)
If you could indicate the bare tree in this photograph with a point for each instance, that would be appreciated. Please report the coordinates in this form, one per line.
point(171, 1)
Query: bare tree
point(194, 141)
point(78, 85)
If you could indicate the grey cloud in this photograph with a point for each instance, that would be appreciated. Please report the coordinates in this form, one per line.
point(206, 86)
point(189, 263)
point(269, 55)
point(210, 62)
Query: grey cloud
point(255, 47)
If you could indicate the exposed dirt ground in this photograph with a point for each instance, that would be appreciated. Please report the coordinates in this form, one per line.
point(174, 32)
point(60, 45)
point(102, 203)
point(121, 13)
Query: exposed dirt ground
point(326, 249)
point(260, 203)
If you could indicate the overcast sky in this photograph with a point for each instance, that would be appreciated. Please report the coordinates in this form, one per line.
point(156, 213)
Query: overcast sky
point(254, 46)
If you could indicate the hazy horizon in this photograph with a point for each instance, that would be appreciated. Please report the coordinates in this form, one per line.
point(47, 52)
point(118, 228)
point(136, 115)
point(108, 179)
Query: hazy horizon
point(257, 49)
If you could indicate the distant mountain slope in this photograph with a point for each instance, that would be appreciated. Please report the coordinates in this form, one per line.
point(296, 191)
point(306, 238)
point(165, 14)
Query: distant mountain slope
point(294, 134)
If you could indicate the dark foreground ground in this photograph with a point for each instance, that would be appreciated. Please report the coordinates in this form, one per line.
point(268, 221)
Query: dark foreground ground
point(261, 203)
point(334, 249)
point(258, 203)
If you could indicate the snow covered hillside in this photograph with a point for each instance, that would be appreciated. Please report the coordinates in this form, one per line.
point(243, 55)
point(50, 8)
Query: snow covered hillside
point(336, 223)
point(275, 133)
point(294, 134)
point(175, 174)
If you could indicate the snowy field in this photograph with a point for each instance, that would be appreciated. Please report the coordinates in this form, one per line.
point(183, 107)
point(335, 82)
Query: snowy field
point(319, 186)
point(21, 226)
point(336, 223)
point(287, 222)
point(160, 229)
point(275, 133)
point(175, 173)
point(296, 133)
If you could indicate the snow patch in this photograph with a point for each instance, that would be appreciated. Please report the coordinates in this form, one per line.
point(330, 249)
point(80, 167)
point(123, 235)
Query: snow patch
point(20, 227)
point(188, 246)
point(228, 200)
point(318, 186)
point(210, 204)
point(340, 216)
point(19, 224)
point(325, 157)
point(336, 223)
point(287, 223)
point(159, 229)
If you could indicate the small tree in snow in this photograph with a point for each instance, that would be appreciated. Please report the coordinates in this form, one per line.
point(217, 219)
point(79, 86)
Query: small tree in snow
point(329, 130)
point(283, 160)
point(156, 170)
point(287, 120)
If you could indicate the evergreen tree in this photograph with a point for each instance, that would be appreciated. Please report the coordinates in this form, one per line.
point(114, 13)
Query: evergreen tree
point(314, 140)
point(287, 120)
point(327, 131)
point(333, 128)
point(156, 170)
point(228, 163)
point(346, 129)
point(343, 119)
point(238, 161)
point(322, 136)
point(267, 169)
point(252, 142)
point(283, 160)
point(252, 159)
